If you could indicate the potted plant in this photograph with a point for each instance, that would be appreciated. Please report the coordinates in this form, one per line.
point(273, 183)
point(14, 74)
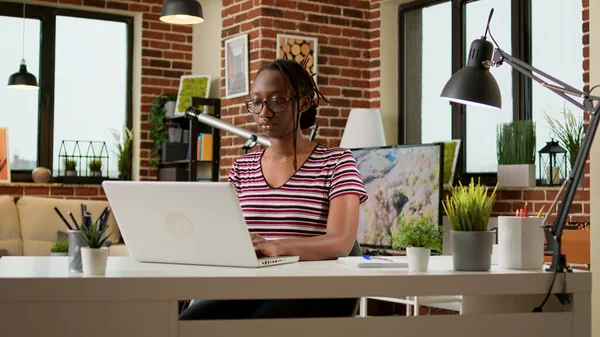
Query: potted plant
point(158, 131)
point(95, 166)
point(569, 133)
point(516, 151)
point(124, 152)
point(468, 209)
point(60, 248)
point(70, 167)
point(418, 236)
point(95, 256)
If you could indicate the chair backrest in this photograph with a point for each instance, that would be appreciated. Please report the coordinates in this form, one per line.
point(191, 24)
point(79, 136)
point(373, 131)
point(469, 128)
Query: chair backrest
point(356, 250)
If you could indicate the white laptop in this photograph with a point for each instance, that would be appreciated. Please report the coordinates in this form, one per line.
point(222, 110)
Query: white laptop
point(184, 222)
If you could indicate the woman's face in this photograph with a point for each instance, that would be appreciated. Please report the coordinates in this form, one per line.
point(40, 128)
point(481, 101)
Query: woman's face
point(269, 85)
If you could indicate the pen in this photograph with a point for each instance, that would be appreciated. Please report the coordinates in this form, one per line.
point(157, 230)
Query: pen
point(63, 218)
point(369, 257)
point(74, 221)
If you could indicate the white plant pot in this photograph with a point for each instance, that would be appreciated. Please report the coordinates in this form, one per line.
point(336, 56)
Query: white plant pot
point(94, 260)
point(516, 175)
point(58, 254)
point(418, 258)
point(71, 173)
point(96, 173)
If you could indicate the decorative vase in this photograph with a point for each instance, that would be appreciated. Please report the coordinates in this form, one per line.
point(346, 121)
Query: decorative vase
point(94, 260)
point(170, 107)
point(418, 258)
point(40, 175)
point(472, 250)
point(71, 173)
point(58, 254)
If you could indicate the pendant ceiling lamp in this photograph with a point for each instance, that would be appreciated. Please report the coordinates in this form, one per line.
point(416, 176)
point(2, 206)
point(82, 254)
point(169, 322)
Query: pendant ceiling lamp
point(182, 12)
point(22, 79)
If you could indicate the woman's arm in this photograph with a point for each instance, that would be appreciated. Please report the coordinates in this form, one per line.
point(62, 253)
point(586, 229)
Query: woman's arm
point(342, 226)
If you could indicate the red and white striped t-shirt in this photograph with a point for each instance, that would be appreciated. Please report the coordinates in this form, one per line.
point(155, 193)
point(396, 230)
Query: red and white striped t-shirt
point(299, 208)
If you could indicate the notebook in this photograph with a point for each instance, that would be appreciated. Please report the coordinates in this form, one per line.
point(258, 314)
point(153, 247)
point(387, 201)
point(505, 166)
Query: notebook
point(373, 262)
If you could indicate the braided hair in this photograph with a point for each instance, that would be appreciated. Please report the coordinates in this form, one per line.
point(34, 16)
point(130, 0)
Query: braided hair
point(299, 83)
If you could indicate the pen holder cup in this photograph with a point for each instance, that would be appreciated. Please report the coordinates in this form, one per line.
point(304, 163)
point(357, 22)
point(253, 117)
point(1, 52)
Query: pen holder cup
point(75, 244)
point(520, 242)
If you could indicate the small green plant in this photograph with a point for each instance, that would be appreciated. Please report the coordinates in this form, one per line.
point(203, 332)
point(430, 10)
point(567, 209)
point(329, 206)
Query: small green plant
point(95, 165)
point(418, 232)
point(158, 131)
point(70, 164)
point(516, 142)
point(124, 152)
point(569, 133)
point(469, 207)
point(94, 236)
point(60, 246)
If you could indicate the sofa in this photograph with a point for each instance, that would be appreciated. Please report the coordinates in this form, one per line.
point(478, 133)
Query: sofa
point(29, 226)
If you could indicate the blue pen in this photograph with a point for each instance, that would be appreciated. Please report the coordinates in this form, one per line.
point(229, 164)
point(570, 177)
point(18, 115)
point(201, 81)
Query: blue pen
point(369, 257)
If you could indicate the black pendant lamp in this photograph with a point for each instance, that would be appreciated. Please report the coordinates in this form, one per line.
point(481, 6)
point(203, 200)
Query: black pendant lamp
point(22, 79)
point(182, 12)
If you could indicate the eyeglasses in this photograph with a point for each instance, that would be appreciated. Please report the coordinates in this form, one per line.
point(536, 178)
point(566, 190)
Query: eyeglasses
point(255, 106)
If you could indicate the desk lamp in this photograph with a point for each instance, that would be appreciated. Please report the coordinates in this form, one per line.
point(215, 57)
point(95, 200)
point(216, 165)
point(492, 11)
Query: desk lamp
point(475, 85)
point(364, 128)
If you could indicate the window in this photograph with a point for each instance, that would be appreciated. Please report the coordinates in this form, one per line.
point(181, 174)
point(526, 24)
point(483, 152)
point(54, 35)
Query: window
point(20, 111)
point(518, 27)
point(427, 36)
point(82, 61)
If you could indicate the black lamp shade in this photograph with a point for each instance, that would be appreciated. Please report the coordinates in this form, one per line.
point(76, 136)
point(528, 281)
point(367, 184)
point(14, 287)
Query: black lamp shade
point(22, 79)
point(474, 84)
point(182, 12)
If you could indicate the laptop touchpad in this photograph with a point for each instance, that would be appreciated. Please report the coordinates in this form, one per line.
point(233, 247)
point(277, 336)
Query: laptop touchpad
point(179, 224)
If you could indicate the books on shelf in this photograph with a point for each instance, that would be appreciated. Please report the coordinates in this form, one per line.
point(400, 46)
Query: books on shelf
point(204, 151)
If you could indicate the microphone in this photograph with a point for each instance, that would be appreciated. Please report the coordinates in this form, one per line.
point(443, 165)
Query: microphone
point(193, 112)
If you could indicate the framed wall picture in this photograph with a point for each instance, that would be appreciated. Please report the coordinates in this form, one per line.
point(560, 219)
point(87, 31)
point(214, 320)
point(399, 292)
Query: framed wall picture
point(296, 47)
point(191, 86)
point(236, 67)
point(4, 160)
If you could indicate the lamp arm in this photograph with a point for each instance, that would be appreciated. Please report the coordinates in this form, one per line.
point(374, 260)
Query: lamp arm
point(554, 232)
point(562, 89)
point(193, 113)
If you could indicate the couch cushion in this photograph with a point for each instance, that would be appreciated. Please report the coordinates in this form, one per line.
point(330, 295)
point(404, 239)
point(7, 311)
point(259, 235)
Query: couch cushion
point(40, 223)
point(10, 231)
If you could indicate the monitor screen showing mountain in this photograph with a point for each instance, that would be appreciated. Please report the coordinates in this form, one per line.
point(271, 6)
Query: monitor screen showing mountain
point(400, 180)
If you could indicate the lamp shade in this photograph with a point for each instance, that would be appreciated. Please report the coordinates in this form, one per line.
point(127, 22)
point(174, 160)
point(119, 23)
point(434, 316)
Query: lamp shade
point(474, 84)
point(182, 12)
point(22, 79)
point(364, 128)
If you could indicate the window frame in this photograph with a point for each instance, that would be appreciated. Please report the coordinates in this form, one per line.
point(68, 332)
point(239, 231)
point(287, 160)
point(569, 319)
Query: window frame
point(47, 17)
point(521, 88)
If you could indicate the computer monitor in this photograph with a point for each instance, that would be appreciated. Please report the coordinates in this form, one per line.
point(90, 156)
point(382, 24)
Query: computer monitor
point(400, 180)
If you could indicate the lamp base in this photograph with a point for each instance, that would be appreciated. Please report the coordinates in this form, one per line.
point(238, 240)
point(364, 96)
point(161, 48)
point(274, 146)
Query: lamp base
point(559, 264)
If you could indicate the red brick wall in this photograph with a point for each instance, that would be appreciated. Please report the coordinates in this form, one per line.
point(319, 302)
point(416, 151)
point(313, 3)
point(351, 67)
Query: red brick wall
point(166, 55)
point(343, 29)
point(63, 191)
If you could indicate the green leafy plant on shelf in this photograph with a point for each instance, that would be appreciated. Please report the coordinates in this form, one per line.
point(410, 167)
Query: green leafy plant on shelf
point(70, 164)
point(158, 131)
point(569, 132)
point(95, 165)
point(516, 143)
point(94, 236)
point(469, 207)
point(418, 232)
point(124, 152)
point(60, 246)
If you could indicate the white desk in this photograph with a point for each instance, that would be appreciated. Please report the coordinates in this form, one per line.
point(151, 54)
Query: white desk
point(38, 297)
